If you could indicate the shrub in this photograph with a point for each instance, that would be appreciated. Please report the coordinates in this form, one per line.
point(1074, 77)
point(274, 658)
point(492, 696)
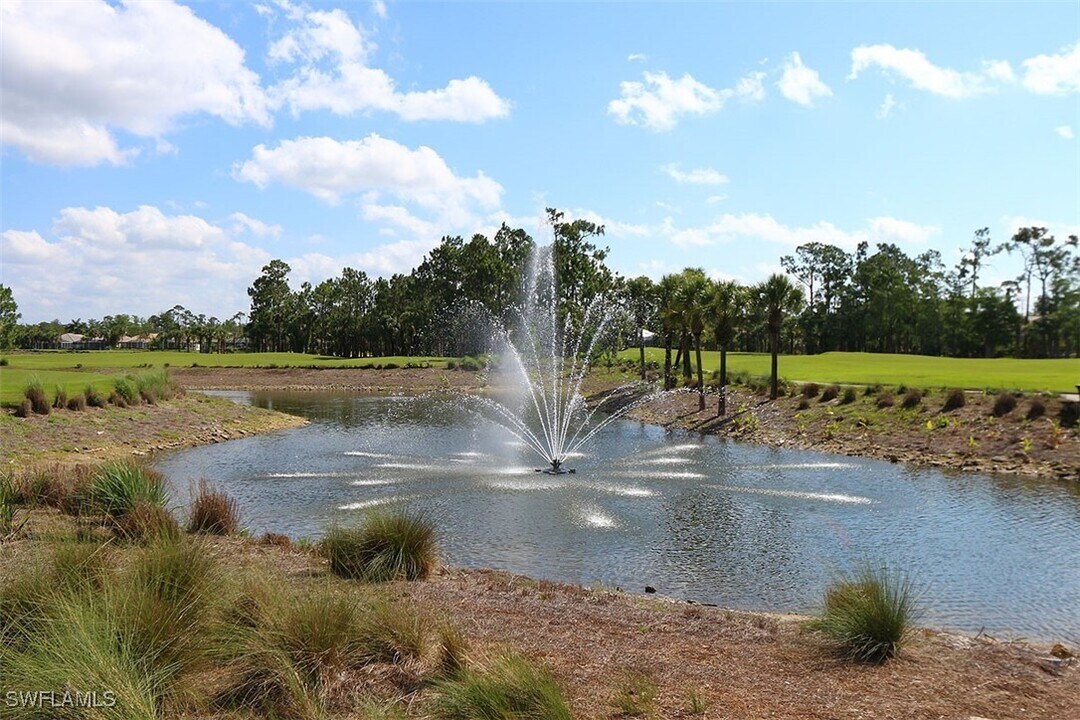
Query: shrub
point(1036, 409)
point(39, 401)
point(213, 512)
point(810, 390)
point(148, 523)
point(509, 687)
point(76, 403)
point(1004, 404)
point(870, 615)
point(830, 393)
point(24, 409)
point(912, 398)
point(117, 487)
point(3, 362)
point(848, 397)
point(61, 399)
point(126, 388)
point(885, 400)
point(94, 398)
point(954, 400)
point(387, 546)
point(1070, 415)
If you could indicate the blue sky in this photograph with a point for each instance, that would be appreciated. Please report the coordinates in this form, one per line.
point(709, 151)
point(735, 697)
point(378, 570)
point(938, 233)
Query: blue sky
point(160, 153)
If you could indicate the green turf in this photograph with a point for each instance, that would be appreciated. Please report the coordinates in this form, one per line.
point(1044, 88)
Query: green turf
point(1057, 375)
point(14, 379)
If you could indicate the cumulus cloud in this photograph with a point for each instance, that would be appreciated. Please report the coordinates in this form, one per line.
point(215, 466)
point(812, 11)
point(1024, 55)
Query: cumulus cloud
point(800, 84)
point(242, 222)
point(660, 101)
point(753, 226)
point(1065, 131)
point(887, 106)
point(699, 176)
point(637, 57)
point(916, 68)
point(1057, 74)
point(329, 57)
point(73, 74)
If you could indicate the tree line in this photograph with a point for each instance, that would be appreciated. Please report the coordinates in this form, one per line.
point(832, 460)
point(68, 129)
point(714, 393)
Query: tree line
point(872, 299)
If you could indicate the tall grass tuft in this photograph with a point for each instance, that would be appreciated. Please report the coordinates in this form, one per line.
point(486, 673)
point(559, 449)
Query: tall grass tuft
point(117, 487)
point(954, 400)
point(61, 399)
point(94, 398)
point(1036, 409)
point(1004, 404)
point(912, 398)
point(126, 388)
point(810, 390)
point(76, 403)
point(148, 523)
point(848, 397)
point(510, 687)
point(35, 393)
point(10, 499)
point(213, 512)
point(869, 615)
point(154, 386)
point(386, 546)
point(830, 393)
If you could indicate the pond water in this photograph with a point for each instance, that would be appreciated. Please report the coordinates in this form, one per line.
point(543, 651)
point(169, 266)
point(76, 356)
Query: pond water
point(697, 518)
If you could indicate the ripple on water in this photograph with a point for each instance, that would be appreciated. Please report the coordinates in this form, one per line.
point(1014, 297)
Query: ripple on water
point(627, 490)
point(594, 517)
point(824, 497)
point(361, 453)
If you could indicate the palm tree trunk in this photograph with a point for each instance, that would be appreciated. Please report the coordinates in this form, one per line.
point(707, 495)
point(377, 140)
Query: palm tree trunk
point(684, 348)
point(774, 343)
point(700, 382)
point(667, 361)
point(642, 336)
point(723, 366)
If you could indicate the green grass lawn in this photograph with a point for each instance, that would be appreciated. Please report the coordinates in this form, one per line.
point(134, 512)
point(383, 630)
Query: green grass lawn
point(1058, 375)
point(75, 370)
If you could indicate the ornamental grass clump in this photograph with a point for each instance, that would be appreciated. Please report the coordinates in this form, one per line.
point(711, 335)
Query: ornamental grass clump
point(848, 397)
point(148, 523)
point(61, 399)
point(126, 388)
point(954, 400)
point(117, 487)
point(1004, 404)
point(213, 512)
point(154, 386)
point(1036, 409)
point(508, 687)
point(76, 403)
point(386, 546)
point(912, 398)
point(810, 390)
point(869, 615)
point(39, 401)
point(94, 398)
point(830, 393)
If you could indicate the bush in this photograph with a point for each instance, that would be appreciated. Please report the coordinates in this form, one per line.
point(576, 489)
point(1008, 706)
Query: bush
point(148, 523)
point(94, 398)
point(1070, 414)
point(954, 400)
point(509, 687)
point(1036, 409)
point(213, 512)
point(848, 397)
point(117, 487)
point(870, 615)
point(885, 400)
point(61, 399)
point(77, 403)
point(912, 398)
point(24, 409)
point(39, 401)
point(387, 546)
point(810, 390)
point(830, 393)
point(126, 388)
point(3, 362)
point(1004, 404)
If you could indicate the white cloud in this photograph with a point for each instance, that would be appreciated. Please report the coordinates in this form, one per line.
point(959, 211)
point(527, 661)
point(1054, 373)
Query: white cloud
point(242, 223)
point(1065, 131)
point(752, 226)
point(800, 84)
point(378, 8)
point(700, 176)
point(659, 101)
point(887, 106)
point(1054, 74)
point(612, 228)
point(637, 57)
point(713, 199)
point(75, 73)
point(330, 54)
point(913, 66)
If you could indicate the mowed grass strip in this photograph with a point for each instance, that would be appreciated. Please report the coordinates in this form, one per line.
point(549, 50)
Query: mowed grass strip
point(1055, 375)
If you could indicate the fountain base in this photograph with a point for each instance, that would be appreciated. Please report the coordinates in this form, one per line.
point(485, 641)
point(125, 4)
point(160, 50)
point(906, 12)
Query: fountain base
point(556, 471)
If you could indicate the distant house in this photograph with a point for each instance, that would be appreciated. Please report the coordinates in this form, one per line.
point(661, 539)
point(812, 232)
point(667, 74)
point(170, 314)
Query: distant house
point(137, 342)
point(75, 341)
point(70, 341)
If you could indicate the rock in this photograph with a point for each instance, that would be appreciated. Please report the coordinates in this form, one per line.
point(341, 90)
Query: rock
point(1060, 651)
point(649, 589)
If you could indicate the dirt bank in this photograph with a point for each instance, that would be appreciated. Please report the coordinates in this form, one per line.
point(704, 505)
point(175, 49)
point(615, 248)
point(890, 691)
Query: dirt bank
point(96, 434)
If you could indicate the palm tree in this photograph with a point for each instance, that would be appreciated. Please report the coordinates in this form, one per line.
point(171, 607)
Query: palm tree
point(728, 302)
point(670, 319)
point(692, 298)
point(778, 297)
point(640, 295)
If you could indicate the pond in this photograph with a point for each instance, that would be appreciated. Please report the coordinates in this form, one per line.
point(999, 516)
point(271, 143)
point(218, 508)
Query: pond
point(697, 518)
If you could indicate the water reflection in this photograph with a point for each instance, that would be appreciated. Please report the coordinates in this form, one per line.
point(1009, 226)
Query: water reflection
point(701, 519)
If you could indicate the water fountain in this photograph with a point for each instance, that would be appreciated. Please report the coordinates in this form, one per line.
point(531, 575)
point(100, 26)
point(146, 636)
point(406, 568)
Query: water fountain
point(545, 362)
